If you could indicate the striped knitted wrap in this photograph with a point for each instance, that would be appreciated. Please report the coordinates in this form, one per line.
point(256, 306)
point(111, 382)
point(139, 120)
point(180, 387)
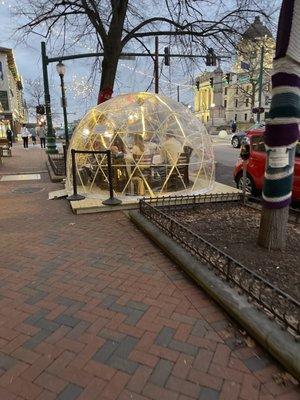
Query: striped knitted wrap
point(282, 129)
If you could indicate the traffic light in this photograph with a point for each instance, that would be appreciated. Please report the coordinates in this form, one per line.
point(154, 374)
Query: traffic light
point(211, 82)
point(227, 78)
point(211, 58)
point(40, 110)
point(167, 56)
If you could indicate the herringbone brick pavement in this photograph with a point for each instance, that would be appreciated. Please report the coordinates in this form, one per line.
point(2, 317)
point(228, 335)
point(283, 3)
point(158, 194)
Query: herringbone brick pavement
point(90, 309)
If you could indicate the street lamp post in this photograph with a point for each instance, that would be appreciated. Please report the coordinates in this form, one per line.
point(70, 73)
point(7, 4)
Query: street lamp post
point(61, 70)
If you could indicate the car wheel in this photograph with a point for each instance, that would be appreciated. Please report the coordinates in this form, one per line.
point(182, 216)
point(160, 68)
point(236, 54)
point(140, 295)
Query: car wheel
point(235, 142)
point(250, 185)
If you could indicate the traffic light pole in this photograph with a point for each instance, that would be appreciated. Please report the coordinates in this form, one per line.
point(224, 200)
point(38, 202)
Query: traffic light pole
point(51, 140)
point(156, 65)
point(261, 73)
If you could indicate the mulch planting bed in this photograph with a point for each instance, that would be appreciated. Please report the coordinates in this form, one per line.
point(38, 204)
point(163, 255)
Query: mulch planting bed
point(233, 228)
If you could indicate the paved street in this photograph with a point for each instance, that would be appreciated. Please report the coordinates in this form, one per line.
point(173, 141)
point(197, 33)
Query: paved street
point(92, 310)
point(226, 157)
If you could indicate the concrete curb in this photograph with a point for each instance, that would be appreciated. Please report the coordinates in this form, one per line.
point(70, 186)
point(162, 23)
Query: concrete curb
point(277, 342)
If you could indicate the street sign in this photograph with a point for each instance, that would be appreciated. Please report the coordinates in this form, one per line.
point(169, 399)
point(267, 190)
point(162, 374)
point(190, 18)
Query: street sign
point(127, 57)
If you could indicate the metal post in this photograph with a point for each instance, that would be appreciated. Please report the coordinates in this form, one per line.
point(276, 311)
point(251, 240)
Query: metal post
point(244, 180)
point(178, 94)
point(64, 107)
point(156, 64)
point(112, 201)
point(51, 141)
point(261, 72)
point(75, 196)
point(65, 158)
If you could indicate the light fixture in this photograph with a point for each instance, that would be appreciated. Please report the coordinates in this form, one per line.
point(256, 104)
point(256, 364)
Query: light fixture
point(107, 134)
point(60, 68)
point(85, 132)
point(132, 118)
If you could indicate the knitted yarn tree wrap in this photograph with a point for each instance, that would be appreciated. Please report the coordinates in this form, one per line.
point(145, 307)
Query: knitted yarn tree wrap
point(282, 129)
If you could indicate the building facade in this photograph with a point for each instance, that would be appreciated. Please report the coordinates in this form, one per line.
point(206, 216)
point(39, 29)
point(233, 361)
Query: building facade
point(13, 111)
point(223, 96)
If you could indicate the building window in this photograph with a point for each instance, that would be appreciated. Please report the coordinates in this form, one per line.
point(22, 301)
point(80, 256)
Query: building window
point(258, 143)
point(247, 102)
point(4, 100)
point(1, 71)
point(236, 103)
point(225, 91)
point(225, 103)
point(246, 117)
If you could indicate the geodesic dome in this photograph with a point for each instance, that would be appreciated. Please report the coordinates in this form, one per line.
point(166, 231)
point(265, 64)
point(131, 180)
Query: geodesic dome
point(158, 147)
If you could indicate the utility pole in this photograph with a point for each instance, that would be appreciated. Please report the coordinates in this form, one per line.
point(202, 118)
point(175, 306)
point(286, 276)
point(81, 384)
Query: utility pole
point(51, 141)
point(178, 94)
point(260, 81)
point(156, 64)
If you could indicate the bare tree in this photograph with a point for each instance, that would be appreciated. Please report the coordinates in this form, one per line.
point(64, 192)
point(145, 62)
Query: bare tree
point(114, 24)
point(282, 131)
point(34, 92)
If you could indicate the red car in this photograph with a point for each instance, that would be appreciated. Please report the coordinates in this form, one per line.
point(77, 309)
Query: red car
point(256, 165)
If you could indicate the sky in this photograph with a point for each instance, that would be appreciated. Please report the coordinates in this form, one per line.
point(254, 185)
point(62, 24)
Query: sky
point(28, 61)
point(132, 75)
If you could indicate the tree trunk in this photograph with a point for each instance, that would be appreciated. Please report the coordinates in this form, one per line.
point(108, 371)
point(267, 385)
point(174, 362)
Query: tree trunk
point(108, 75)
point(273, 228)
point(112, 50)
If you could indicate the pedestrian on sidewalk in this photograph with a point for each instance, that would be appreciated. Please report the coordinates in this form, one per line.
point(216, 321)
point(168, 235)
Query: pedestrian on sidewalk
point(33, 136)
point(42, 135)
point(25, 135)
point(233, 127)
point(9, 136)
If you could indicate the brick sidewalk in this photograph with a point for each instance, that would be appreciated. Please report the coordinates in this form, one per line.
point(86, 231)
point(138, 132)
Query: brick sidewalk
point(91, 309)
point(24, 160)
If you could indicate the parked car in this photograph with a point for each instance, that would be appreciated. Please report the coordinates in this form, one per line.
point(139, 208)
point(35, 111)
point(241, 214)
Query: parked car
point(60, 133)
point(238, 137)
point(256, 166)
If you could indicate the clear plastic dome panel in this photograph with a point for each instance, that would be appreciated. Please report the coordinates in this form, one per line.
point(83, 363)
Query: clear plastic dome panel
point(158, 147)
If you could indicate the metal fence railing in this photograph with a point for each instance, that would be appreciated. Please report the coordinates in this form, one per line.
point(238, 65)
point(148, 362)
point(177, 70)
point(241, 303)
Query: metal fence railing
point(57, 163)
point(274, 302)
